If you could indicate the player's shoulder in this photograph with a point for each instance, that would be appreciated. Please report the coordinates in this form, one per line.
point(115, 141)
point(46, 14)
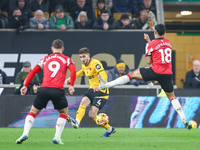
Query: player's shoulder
point(95, 61)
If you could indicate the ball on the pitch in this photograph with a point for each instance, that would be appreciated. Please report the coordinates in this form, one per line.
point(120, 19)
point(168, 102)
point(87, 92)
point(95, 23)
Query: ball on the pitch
point(193, 123)
point(102, 119)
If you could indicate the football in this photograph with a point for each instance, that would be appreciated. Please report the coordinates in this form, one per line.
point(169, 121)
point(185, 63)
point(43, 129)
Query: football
point(193, 123)
point(102, 119)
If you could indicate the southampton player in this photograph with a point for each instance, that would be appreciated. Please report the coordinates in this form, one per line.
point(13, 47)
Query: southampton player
point(158, 53)
point(54, 71)
point(94, 96)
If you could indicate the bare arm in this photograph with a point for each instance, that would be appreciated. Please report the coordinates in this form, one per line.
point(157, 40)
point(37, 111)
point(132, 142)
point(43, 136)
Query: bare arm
point(149, 60)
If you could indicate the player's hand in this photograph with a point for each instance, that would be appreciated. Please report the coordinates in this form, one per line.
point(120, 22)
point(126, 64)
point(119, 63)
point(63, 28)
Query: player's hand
point(71, 90)
point(97, 89)
point(146, 37)
point(23, 90)
point(67, 81)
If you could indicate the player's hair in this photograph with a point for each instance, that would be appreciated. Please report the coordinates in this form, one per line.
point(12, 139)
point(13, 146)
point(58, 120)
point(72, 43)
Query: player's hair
point(160, 28)
point(84, 50)
point(58, 44)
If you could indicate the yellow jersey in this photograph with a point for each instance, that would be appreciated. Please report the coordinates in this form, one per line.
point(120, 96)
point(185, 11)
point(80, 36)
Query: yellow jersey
point(92, 70)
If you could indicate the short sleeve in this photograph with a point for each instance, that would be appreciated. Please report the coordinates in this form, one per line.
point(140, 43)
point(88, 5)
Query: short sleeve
point(148, 50)
point(41, 63)
point(98, 67)
point(69, 61)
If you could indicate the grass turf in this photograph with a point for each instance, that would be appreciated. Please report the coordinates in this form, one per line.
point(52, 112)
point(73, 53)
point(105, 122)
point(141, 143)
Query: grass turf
point(90, 139)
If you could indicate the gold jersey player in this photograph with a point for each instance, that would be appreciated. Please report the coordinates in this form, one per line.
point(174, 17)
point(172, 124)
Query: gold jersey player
point(94, 96)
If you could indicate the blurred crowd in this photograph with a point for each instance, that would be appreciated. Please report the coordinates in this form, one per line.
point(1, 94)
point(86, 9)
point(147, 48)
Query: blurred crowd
point(77, 14)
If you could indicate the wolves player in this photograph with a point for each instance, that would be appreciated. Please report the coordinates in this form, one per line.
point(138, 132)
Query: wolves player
point(93, 96)
point(54, 70)
point(158, 53)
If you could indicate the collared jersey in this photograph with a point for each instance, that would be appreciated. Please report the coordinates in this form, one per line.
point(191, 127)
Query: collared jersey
point(92, 70)
point(161, 52)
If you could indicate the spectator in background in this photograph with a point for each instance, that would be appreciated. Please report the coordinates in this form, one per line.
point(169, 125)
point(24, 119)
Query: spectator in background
point(105, 21)
point(125, 23)
point(81, 7)
point(151, 22)
point(82, 22)
point(21, 76)
point(39, 21)
point(123, 6)
point(4, 6)
point(147, 5)
point(140, 22)
point(18, 21)
point(74, 3)
point(192, 78)
point(119, 70)
point(100, 6)
point(39, 4)
point(26, 12)
point(137, 3)
point(3, 20)
point(54, 3)
point(108, 4)
point(60, 20)
point(3, 77)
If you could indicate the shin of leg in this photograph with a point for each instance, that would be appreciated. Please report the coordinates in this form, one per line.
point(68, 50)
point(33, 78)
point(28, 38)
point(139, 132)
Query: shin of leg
point(82, 107)
point(176, 104)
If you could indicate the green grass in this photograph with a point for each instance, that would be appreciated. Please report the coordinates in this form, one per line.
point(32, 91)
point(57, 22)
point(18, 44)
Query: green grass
point(90, 139)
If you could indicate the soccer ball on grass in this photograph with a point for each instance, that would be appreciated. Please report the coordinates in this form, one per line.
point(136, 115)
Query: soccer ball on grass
point(193, 123)
point(102, 119)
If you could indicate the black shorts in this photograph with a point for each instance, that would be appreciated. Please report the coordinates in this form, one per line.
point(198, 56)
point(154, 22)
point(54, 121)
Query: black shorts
point(56, 95)
point(98, 99)
point(165, 80)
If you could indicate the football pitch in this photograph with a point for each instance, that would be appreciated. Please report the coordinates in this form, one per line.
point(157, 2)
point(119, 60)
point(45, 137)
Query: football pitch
point(90, 139)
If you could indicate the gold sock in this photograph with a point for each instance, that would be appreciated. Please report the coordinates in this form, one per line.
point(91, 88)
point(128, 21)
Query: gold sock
point(81, 112)
point(95, 119)
point(107, 126)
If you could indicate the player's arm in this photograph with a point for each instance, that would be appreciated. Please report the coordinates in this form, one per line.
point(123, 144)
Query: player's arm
point(148, 56)
point(29, 78)
point(72, 69)
point(78, 74)
point(149, 60)
point(100, 70)
point(146, 37)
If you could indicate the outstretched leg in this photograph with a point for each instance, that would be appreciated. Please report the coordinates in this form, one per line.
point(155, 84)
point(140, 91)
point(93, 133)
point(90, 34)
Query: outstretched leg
point(80, 113)
point(121, 80)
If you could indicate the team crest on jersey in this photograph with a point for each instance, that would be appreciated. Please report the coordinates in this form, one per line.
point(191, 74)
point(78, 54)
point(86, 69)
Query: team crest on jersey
point(98, 66)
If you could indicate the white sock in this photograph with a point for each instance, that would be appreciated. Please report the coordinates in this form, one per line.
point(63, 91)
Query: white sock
point(121, 80)
point(28, 124)
point(178, 108)
point(78, 121)
point(110, 129)
point(60, 124)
